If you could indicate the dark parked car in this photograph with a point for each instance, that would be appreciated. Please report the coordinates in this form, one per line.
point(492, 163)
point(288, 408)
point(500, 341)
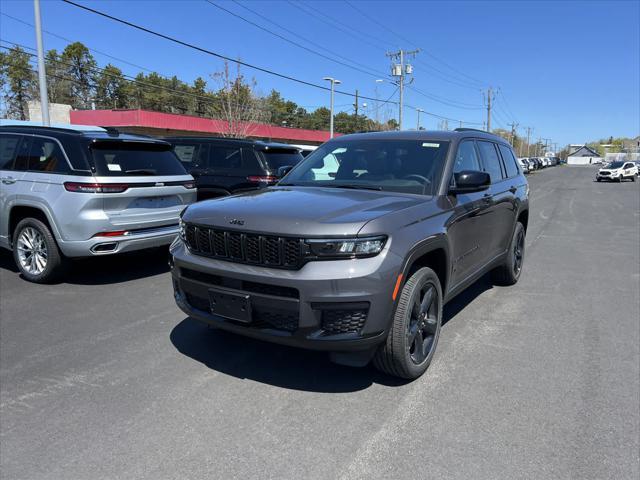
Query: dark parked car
point(358, 261)
point(223, 166)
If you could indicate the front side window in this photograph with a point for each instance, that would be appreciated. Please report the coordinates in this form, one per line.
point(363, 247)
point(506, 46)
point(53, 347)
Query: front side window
point(45, 155)
point(490, 160)
point(466, 158)
point(115, 158)
point(509, 161)
point(406, 166)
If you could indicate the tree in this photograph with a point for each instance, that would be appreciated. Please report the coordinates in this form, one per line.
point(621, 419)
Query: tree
point(19, 83)
point(80, 67)
point(237, 103)
point(58, 86)
point(111, 88)
point(200, 103)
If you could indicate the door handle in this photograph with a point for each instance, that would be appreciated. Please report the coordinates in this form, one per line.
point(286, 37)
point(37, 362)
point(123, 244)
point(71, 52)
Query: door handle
point(8, 180)
point(486, 198)
point(513, 189)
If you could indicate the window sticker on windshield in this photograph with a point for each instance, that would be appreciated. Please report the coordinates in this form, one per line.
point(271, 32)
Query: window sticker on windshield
point(431, 145)
point(114, 167)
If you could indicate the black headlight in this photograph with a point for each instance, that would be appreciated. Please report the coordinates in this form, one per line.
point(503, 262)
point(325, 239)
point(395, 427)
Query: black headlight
point(346, 247)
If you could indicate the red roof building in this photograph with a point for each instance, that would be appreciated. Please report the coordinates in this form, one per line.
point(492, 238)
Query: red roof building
point(164, 124)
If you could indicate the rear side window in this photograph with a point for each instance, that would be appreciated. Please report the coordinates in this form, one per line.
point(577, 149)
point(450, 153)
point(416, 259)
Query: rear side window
point(8, 150)
point(45, 155)
point(509, 161)
point(116, 159)
point(232, 160)
point(466, 157)
point(281, 157)
point(490, 160)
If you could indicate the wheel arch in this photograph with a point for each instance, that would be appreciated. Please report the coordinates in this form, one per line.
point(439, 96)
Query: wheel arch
point(20, 212)
point(523, 217)
point(433, 253)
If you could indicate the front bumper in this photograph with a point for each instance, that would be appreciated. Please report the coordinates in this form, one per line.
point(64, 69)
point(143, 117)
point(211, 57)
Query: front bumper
point(97, 246)
point(340, 305)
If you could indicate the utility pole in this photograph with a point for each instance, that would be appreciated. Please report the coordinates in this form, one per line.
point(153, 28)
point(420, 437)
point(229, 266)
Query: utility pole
point(547, 141)
point(401, 70)
point(334, 82)
point(513, 132)
point(355, 105)
point(418, 111)
point(529, 129)
point(490, 97)
point(42, 75)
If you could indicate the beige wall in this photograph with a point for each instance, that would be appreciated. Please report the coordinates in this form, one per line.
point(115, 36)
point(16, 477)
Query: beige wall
point(58, 112)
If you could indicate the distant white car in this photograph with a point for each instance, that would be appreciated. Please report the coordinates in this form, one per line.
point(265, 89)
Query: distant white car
point(524, 164)
point(618, 171)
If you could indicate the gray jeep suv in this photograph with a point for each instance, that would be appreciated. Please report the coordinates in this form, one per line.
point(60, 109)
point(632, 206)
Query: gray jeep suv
point(358, 261)
point(78, 192)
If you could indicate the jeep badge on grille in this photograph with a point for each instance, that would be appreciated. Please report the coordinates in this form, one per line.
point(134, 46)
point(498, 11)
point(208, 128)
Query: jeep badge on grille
point(235, 221)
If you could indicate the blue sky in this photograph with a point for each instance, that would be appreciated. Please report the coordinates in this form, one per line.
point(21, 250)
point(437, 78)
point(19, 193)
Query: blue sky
point(570, 70)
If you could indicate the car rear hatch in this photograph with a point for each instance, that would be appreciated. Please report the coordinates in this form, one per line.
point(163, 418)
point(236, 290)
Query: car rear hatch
point(143, 185)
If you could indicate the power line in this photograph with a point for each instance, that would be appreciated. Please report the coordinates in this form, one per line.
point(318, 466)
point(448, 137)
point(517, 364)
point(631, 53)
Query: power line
point(404, 39)
point(221, 56)
point(446, 101)
point(292, 42)
point(334, 23)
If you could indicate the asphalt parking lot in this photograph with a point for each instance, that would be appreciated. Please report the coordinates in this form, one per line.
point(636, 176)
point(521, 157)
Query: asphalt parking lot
point(103, 377)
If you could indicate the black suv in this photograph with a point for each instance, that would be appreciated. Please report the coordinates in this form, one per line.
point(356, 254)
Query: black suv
point(224, 166)
point(358, 248)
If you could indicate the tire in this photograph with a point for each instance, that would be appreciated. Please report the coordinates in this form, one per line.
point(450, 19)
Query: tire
point(633, 178)
point(598, 179)
point(400, 356)
point(44, 265)
point(509, 272)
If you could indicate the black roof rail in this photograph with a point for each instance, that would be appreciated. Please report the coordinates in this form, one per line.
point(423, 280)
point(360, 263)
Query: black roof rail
point(465, 129)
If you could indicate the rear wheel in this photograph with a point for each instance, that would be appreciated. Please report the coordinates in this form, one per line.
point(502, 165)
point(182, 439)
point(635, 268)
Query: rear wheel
point(415, 328)
point(509, 272)
point(36, 252)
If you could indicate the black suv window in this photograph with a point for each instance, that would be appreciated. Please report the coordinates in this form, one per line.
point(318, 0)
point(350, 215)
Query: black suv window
point(281, 157)
point(8, 149)
point(490, 160)
point(114, 159)
point(510, 162)
point(224, 158)
point(466, 157)
point(45, 155)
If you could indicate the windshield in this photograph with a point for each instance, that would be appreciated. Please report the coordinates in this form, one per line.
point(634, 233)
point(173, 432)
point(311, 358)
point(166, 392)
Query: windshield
point(406, 166)
point(615, 165)
point(281, 157)
point(116, 159)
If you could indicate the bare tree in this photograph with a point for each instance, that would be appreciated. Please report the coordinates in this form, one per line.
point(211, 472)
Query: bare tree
point(238, 104)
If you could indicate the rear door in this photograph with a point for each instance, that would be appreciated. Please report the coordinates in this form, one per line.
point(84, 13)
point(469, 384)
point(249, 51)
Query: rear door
point(500, 212)
point(146, 184)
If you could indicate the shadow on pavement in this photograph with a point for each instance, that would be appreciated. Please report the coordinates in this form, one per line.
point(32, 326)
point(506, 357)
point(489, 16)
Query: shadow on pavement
point(107, 269)
point(288, 367)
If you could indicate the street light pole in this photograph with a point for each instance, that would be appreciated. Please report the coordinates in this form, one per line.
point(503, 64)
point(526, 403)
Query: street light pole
point(42, 76)
point(334, 82)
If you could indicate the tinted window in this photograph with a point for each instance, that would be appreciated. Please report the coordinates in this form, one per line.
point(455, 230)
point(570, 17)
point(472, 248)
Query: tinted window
point(113, 159)
point(224, 159)
point(490, 160)
point(509, 161)
point(45, 155)
point(276, 158)
point(409, 166)
point(8, 149)
point(466, 158)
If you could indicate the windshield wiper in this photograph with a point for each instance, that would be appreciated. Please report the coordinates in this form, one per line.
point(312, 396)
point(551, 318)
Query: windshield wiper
point(354, 186)
point(142, 171)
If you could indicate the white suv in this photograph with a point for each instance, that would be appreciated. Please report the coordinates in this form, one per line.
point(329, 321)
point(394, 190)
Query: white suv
point(618, 171)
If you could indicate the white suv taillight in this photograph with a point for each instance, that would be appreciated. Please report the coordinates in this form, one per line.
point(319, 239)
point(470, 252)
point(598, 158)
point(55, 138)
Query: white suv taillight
point(95, 187)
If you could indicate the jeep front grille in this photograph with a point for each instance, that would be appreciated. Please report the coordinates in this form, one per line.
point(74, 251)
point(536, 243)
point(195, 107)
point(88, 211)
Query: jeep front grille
point(255, 249)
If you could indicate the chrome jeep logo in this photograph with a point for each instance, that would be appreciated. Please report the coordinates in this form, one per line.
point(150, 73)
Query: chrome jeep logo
point(235, 221)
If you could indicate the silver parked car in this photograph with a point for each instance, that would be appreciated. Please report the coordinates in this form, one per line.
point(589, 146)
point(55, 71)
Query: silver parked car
point(78, 192)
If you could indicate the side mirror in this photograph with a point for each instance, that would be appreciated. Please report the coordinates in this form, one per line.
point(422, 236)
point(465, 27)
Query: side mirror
point(282, 171)
point(469, 181)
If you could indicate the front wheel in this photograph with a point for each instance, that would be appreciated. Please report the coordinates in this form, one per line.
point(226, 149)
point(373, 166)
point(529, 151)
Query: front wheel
point(415, 328)
point(36, 252)
point(509, 272)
